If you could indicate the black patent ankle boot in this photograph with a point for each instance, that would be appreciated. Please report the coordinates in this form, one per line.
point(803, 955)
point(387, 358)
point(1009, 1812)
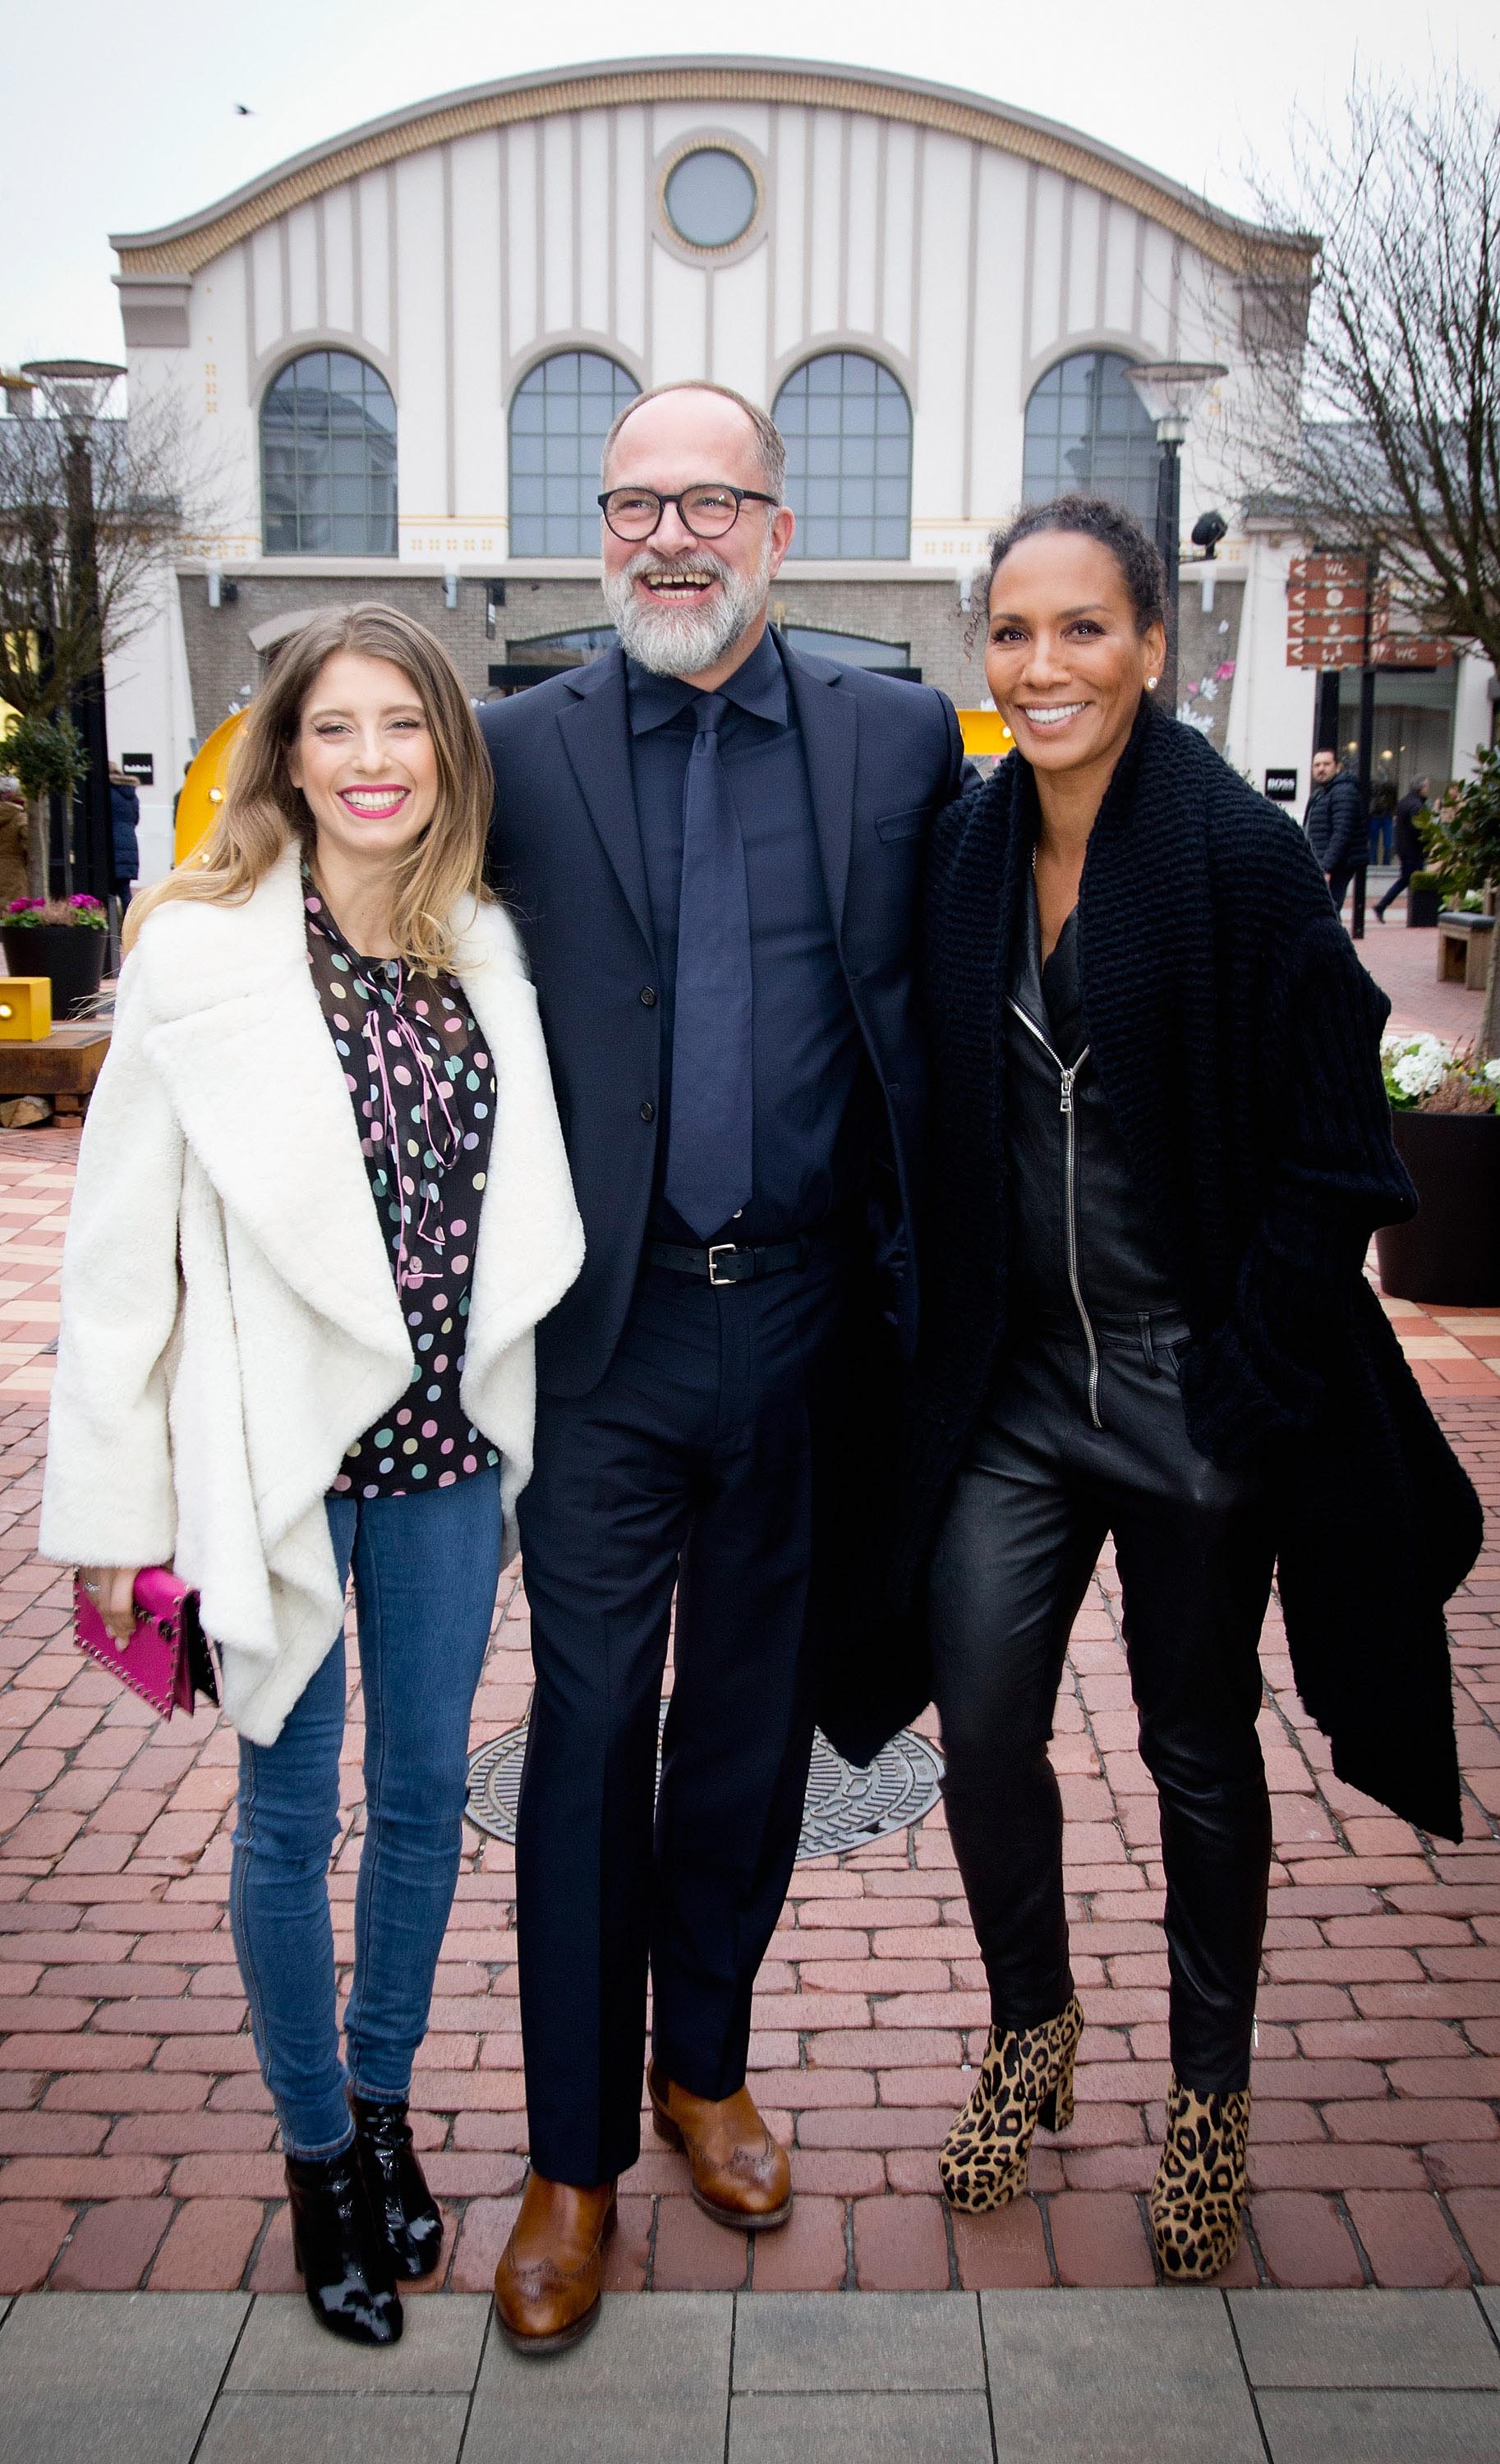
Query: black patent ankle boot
point(344, 2262)
point(405, 2211)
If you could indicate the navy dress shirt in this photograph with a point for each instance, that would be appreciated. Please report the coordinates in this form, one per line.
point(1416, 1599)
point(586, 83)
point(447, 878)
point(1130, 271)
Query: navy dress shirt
point(805, 1038)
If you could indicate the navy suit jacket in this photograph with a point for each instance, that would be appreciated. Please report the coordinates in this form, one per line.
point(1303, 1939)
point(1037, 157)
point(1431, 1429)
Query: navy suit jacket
point(565, 852)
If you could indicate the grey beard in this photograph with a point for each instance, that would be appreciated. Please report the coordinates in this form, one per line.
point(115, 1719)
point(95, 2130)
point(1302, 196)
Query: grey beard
point(685, 641)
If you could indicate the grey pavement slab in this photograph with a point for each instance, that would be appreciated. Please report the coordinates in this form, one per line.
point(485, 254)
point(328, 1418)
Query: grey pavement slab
point(283, 2350)
point(6, 2300)
point(128, 2376)
point(1330, 2425)
point(869, 2342)
point(649, 2386)
point(937, 2427)
point(1114, 2376)
point(1366, 2340)
point(343, 2429)
point(1490, 2296)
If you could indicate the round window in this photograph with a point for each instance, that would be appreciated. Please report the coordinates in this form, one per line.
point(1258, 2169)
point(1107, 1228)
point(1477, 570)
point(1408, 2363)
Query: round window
point(711, 197)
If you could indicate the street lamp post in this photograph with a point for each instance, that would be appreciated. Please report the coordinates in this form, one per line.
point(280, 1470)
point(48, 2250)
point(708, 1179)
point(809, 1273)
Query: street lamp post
point(74, 392)
point(1169, 390)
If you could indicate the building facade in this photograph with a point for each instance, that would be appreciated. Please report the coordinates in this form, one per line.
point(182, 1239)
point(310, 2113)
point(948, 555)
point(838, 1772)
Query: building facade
point(400, 351)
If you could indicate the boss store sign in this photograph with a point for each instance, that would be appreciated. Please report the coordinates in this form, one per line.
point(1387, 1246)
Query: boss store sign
point(1281, 786)
point(141, 768)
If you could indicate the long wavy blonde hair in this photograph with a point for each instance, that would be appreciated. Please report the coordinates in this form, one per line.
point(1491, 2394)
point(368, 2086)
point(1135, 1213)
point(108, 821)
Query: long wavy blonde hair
point(263, 811)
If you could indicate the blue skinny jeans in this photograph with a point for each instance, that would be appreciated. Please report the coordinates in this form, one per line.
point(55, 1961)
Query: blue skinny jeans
point(426, 1569)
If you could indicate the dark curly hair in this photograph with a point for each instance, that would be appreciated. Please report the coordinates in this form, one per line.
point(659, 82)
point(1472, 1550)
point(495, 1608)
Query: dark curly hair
point(1093, 517)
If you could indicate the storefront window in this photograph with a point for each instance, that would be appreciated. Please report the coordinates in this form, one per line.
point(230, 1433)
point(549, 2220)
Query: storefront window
point(328, 459)
point(848, 426)
point(560, 416)
point(1088, 433)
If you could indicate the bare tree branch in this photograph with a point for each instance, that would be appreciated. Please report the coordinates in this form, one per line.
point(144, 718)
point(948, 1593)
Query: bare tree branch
point(150, 485)
point(1372, 416)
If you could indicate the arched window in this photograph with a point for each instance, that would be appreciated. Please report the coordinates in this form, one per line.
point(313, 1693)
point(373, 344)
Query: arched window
point(328, 459)
point(560, 416)
point(848, 426)
point(1087, 429)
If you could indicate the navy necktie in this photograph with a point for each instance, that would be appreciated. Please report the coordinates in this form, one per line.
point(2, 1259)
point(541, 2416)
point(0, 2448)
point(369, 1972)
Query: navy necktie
point(710, 1142)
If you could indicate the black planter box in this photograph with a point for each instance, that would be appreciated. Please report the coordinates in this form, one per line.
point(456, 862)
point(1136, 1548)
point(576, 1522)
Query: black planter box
point(1423, 904)
point(70, 955)
point(1450, 1250)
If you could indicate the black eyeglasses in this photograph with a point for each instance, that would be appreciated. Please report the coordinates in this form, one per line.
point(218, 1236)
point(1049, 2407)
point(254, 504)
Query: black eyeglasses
point(708, 512)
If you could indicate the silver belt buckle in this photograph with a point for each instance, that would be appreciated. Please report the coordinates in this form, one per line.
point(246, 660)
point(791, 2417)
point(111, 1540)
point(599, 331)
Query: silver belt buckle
point(721, 1249)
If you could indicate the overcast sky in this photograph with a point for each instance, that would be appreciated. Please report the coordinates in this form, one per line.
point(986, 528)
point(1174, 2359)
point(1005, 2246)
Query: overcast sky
point(121, 114)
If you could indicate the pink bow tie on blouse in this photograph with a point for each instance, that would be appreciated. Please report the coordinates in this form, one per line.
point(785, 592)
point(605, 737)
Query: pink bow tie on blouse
point(441, 1135)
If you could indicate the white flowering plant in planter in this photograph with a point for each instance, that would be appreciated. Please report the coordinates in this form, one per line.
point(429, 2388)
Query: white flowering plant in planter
point(1424, 1074)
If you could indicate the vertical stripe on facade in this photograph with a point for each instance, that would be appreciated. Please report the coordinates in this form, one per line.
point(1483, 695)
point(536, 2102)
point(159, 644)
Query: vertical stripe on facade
point(451, 376)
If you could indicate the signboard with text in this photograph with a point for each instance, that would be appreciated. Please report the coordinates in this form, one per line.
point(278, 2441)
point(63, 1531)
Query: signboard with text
point(140, 767)
point(1281, 786)
point(1326, 600)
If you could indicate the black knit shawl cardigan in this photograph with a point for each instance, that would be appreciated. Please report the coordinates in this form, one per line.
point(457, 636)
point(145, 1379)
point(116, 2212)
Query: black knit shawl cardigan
point(1235, 1039)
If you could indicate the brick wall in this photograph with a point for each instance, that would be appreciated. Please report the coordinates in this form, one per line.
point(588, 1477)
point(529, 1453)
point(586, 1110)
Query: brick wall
point(222, 665)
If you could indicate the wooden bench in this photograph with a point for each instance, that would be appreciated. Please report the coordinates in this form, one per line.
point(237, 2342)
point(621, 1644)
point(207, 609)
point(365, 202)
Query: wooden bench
point(1464, 948)
point(64, 1065)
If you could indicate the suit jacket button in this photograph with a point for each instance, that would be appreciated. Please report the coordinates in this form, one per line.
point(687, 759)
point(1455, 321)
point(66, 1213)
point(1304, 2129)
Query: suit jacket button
point(648, 998)
point(648, 1112)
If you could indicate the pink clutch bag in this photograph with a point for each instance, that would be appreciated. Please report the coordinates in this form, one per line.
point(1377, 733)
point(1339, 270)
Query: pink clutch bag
point(166, 1660)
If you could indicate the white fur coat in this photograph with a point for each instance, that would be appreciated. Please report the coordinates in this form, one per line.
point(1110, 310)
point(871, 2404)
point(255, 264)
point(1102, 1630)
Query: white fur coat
point(230, 1321)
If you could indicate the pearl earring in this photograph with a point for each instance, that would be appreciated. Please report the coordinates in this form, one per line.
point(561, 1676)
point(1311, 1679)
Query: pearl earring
point(1151, 684)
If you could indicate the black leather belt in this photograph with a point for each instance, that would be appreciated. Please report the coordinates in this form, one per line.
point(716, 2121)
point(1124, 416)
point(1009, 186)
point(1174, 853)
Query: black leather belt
point(729, 1262)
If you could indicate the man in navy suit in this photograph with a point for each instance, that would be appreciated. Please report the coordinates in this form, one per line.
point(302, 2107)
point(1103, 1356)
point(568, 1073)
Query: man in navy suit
point(711, 843)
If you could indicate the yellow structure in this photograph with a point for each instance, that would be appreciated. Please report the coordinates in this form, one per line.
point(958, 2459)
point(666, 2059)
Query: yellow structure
point(985, 731)
point(25, 1009)
point(202, 788)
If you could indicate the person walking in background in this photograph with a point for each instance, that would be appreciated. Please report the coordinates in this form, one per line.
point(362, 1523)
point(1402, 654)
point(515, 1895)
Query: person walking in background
point(1410, 848)
point(1144, 1314)
point(15, 841)
point(321, 1202)
point(124, 815)
point(1335, 824)
point(712, 842)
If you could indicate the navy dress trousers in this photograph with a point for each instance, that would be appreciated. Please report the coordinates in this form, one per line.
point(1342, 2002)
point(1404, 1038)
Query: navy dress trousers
point(691, 1435)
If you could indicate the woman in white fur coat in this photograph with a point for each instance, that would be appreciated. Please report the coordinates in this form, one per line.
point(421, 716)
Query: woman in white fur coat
point(321, 1202)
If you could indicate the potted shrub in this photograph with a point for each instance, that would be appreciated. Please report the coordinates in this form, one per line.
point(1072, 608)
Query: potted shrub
point(47, 757)
point(1423, 897)
point(1445, 1120)
point(1464, 850)
point(64, 938)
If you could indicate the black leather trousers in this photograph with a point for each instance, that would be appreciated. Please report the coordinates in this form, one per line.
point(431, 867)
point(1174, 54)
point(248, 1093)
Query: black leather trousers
point(1041, 1489)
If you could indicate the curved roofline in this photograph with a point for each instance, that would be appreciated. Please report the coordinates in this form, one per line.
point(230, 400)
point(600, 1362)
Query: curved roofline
point(182, 247)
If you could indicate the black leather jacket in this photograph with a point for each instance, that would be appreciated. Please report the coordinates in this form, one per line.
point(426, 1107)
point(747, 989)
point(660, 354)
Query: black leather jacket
point(1080, 1247)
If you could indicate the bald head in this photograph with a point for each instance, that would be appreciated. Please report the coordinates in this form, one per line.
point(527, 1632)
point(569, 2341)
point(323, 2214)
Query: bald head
point(685, 605)
point(696, 404)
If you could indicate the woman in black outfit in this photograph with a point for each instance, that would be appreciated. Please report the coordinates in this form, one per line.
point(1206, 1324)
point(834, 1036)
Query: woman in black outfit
point(1161, 1146)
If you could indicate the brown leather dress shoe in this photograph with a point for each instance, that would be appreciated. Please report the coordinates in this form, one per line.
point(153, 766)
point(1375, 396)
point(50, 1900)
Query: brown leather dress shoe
point(546, 2285)
point(741, 2177)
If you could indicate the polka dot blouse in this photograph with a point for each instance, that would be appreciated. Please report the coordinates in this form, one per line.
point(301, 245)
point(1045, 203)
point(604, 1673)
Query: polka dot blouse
point(422, 1085)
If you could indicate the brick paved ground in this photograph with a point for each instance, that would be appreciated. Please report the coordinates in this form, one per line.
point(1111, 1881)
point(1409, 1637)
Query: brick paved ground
point(136, 2143)
point(1406, 965)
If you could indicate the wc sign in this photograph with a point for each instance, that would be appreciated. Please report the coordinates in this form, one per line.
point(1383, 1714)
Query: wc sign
point(1281, 786)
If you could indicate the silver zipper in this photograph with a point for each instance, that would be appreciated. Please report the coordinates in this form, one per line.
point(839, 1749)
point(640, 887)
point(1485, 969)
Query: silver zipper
point(1065, 1079)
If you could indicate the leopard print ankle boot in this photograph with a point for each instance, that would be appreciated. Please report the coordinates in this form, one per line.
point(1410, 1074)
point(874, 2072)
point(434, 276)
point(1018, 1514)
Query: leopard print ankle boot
point(1026, 2078)
point(1198, 2199)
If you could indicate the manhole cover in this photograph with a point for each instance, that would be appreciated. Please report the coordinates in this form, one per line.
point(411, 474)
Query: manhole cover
point(844, 1805)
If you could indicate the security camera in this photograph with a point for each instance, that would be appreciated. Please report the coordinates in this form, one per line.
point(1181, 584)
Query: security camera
point(1207, 532)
